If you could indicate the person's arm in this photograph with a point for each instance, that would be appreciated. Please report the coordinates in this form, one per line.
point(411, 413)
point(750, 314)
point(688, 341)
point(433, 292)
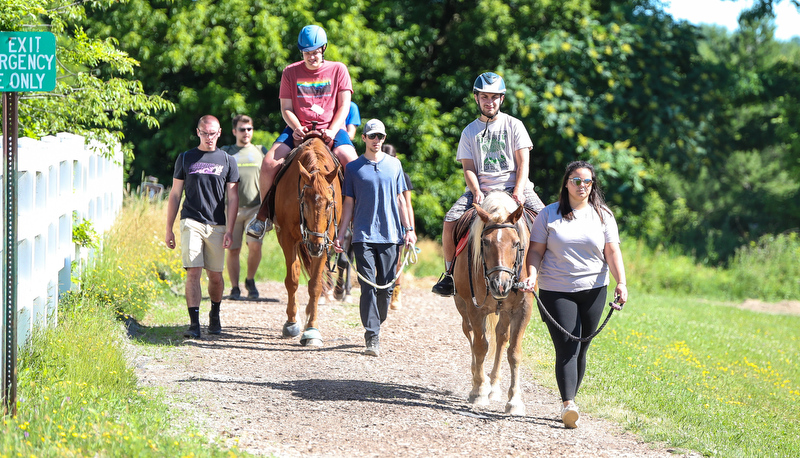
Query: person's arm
point(347, 216)
point(410, 236)
point(232, 210)
point(173, 202)
point(522, 159)
point(471, 178)
point(532, 262)
point(613, 256)
point(351, 131)
point(409, 208)
point(291, 119)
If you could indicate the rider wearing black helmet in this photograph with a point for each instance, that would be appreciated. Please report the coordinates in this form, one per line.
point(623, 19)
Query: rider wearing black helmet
point(494, 153)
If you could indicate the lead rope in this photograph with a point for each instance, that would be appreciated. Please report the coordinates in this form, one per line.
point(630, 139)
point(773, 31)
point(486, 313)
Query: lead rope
point(561, 328)
point(409, 257)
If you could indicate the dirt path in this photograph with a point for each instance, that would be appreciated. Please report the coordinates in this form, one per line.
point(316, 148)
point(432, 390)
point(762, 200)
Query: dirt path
point(272, 396)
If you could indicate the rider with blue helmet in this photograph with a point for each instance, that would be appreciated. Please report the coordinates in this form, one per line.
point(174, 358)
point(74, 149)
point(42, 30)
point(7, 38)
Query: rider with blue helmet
point(494, 151)
point(313, 92)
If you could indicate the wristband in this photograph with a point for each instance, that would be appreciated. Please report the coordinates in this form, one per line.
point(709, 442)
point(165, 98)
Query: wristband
point(409, 229)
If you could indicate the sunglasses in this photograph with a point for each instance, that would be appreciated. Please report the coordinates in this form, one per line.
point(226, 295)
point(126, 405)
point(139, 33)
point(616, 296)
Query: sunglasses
point(244, 129)
point(577, 181)
point(372, 136)
point(207, 134)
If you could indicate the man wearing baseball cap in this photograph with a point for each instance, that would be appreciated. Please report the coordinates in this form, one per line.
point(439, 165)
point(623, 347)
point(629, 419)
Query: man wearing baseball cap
point(373, 200)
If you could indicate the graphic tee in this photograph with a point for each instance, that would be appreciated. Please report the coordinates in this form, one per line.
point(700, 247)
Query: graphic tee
point(314, 92)
point(491, 148)
point(204, 175)
point(248, 160)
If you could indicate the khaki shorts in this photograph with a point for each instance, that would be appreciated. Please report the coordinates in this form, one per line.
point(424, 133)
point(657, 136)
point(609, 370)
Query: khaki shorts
point(201, 245)
point(242, 218)
point(464, 202)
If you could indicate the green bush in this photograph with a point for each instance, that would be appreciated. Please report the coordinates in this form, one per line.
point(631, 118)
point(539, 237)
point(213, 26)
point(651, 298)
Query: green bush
point(768, 269)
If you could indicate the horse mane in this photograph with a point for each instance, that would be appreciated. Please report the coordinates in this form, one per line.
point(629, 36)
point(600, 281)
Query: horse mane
point(499, 205)
point(315, 156)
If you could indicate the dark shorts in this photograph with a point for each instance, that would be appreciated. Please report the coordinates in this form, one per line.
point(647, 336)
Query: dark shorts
point(464, 202)
point(341, 138)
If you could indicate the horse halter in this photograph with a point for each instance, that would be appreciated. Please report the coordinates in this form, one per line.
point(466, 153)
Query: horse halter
point(516, 270)
point(304, 230)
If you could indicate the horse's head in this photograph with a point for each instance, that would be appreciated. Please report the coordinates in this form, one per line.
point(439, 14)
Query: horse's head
point(317, 208)
point(499, 243)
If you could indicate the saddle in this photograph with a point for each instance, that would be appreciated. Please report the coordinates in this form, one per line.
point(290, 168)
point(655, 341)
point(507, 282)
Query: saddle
point(269, 199)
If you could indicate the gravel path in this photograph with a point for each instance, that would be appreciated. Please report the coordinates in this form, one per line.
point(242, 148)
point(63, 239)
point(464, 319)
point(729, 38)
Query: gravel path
point(270, 396)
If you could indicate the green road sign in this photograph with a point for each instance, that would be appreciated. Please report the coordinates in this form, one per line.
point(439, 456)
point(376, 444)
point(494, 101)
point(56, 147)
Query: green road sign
point(27, 61)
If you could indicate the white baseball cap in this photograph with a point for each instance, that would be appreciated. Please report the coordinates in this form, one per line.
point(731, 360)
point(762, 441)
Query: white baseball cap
point(374, 126)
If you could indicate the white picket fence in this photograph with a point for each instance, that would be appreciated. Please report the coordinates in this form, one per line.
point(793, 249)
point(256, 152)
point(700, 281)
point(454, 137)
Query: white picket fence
point(58, 176)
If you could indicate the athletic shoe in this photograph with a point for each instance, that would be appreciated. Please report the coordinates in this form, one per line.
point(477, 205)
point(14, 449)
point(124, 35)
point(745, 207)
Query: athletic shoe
point(373, 346)
point(193, 332)
point(252, 292)
point(235, 294)
point(214, 325)
point(257, 228)
point(570, 415)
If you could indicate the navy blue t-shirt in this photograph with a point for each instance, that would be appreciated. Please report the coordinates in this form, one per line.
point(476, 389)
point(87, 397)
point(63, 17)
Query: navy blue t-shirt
point(204, 175)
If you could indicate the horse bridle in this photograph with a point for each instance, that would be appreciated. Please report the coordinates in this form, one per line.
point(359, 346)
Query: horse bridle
point(304, 231)
point(515, 271)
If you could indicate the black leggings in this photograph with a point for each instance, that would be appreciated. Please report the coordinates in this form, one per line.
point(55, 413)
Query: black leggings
point(580, 314)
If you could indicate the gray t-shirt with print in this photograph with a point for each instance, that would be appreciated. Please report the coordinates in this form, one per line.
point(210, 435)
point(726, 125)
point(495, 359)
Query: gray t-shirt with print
point(574, 259)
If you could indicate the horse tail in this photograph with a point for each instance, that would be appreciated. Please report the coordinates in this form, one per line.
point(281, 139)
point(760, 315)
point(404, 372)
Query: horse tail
point(490, 325)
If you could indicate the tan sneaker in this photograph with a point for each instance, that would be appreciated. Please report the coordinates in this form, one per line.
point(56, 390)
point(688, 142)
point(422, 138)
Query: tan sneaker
point(570, 415)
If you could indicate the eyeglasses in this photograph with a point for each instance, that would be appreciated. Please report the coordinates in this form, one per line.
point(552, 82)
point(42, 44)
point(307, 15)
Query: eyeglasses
point(244, 129)
point(577, 181)
point(372, 136)
point(207, 134)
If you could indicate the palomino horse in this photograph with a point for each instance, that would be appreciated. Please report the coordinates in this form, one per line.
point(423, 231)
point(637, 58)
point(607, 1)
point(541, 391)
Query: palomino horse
point(493, 311)
point(308, 208)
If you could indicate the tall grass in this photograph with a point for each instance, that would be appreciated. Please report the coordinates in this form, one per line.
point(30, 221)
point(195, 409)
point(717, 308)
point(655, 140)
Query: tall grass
point(77, 394)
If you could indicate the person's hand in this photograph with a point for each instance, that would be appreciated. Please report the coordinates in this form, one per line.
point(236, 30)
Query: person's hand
point(478, 197)
point(227, 240)
point(410, 239)
point(518, 196)
point(300, 132)
point(170, 240)
point(621, 295)
point(528, 284)
point(337, 246)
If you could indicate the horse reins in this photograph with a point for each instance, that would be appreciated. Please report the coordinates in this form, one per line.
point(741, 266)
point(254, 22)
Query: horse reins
point(410, 257)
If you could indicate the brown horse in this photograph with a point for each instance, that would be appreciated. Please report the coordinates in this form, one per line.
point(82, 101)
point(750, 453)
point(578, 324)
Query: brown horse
point(308, 208)
point(493, 311)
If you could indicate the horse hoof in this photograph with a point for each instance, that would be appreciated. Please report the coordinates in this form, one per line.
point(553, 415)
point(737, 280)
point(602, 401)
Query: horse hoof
point(291, 329)
point(348, 299)
point(311, 338)
point(515, 410)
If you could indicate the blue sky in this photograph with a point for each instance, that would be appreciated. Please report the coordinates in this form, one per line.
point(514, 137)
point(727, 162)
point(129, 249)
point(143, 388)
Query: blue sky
point(726, 13)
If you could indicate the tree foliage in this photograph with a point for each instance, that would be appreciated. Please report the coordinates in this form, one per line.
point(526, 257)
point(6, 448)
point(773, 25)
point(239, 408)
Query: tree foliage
point(693, 131)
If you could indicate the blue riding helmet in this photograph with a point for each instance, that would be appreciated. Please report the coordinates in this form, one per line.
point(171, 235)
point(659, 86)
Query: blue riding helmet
point(489, 82)
point(311, 38)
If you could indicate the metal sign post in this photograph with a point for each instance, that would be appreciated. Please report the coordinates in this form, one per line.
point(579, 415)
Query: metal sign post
point(27, 64)
point(10, 129)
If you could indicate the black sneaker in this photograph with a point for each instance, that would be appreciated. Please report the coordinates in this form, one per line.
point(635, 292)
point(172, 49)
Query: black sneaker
point(193, 332)
point(214, 326)
point(444, 287)
point(252, 292)
point(235, 294)
point(373, 346)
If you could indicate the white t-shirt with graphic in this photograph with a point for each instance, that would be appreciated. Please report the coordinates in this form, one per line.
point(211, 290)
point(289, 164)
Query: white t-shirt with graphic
point(491, 148)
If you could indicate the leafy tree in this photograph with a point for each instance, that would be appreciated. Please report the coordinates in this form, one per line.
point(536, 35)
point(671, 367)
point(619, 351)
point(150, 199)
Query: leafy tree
point(83, 102)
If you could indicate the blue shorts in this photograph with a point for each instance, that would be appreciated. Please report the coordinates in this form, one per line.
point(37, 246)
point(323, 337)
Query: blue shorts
point(341, 138)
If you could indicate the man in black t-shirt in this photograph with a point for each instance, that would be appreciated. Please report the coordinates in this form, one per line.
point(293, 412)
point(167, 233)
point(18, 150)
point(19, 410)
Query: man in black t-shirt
point(206, 174)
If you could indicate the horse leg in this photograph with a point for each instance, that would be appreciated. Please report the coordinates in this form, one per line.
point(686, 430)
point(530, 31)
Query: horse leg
point(291, 328)
point(501, 339)
point(397, 302)
point(479, 395)
point(311, 336)
point(519, 321)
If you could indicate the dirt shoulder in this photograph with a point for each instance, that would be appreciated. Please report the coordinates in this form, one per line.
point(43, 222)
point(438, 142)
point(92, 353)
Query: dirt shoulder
point(270, 396)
